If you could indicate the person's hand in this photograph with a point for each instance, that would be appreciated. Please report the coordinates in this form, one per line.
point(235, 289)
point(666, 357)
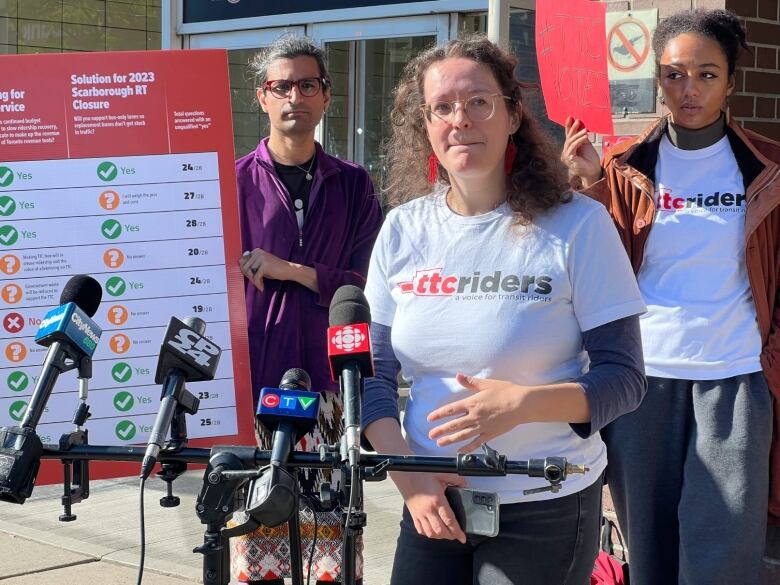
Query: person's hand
point(424, 496)
point(259, 264)
point(578, 153)
point(488, 413)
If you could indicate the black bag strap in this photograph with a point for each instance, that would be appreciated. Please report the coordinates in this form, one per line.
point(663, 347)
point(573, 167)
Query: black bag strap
point(607, 544)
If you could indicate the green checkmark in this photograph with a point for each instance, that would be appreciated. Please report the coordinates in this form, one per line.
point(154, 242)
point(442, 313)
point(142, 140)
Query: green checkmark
point(115, 286)
point(107, 171)
point(111, 229)
point(7, 205)
point(121, 372)
point(6, 176)
point(17, 381)
point(123, 401)
point(8, 235)
point(16, 410)
point(125, 430)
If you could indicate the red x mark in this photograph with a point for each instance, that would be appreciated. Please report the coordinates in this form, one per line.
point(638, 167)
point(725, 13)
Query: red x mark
point(13, 322)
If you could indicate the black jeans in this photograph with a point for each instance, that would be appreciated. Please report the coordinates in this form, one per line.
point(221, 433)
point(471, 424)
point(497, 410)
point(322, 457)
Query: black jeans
point(551, 542)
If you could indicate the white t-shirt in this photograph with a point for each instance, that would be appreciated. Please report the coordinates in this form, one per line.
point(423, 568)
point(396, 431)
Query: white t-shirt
point(701, 321)
point(486, 297)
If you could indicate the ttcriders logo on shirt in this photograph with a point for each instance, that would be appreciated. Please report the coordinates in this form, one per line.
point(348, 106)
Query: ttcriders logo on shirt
point(430, 282)
point(666, 200)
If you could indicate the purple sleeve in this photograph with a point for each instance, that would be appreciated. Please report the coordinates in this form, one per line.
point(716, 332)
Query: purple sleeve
point(380, 393)
point(615, 383)
point(330, 278)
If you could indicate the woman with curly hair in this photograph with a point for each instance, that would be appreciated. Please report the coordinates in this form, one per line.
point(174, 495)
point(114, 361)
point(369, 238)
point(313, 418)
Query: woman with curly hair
point(696, 200)
point(491, 290)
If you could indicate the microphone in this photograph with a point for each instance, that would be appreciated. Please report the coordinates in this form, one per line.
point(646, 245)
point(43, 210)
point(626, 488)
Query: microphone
point(72, 337)
point(349, 355)
point(290, 411)
point(185, 356)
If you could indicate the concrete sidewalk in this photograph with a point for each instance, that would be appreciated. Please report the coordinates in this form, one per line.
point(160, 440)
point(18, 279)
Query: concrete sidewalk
point(103, 546)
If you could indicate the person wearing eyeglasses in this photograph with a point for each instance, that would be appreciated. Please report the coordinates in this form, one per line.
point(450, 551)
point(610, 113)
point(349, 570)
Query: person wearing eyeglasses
point(507, 303)
point(308, 222)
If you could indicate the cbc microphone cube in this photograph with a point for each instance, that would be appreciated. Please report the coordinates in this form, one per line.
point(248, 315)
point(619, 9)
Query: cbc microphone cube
point(69, 324)
point(350, 343)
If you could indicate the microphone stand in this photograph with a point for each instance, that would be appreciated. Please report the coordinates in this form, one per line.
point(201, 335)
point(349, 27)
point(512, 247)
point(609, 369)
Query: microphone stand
point(353, 519)
point(231, 467)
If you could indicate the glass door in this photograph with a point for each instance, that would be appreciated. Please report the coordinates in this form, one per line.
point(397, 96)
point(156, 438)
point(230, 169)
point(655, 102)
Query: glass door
point(365, 70)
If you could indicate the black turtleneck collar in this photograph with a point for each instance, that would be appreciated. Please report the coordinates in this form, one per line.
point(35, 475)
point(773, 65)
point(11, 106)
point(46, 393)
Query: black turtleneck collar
point(687, 139)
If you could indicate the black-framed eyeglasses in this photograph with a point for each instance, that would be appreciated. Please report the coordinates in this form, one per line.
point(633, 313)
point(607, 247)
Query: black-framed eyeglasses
point(478, 108)
point(281, 88)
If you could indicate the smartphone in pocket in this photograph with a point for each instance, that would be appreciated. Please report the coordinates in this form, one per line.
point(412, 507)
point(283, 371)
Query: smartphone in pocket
point(476, 511)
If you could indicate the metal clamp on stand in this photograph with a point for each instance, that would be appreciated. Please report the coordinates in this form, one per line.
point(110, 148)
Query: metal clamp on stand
point(186, 403)
point(216, 502)
point(75, 473)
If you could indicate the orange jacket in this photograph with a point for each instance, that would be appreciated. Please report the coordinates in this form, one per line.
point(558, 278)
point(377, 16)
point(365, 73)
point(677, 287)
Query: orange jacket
point(626, 190)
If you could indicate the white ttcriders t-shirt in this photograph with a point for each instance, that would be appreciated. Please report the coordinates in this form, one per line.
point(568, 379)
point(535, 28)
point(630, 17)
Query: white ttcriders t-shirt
point(701, 321)
point(487, 297)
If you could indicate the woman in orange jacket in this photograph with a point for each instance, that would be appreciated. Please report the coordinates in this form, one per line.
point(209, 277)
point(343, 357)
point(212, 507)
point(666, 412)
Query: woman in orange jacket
point(696, 201)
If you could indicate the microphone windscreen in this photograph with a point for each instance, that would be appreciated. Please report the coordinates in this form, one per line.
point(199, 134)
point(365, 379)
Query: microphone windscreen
point(296, 378)
point(197, 324)
point(348, 307)
point(84, 291)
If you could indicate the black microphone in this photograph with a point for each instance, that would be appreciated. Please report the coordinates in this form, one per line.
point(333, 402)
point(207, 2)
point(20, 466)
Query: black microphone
point(72, 337)
point(279, 410)
point(290, 411)
point(185, 356)
point(349, 355)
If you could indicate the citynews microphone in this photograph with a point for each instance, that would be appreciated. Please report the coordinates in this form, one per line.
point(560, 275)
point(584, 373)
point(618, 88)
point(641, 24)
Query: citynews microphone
point(185, 356)
point(349, 355)
point(72, 337)
point(290, 412)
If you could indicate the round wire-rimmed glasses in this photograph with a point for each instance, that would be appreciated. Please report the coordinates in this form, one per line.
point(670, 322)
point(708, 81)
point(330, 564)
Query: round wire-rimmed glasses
point(478, 108)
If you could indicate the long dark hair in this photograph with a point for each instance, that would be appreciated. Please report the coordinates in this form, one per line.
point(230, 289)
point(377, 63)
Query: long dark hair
point(537, 182)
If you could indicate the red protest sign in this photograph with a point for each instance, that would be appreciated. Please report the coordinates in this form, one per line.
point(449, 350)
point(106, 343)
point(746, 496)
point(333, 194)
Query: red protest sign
point(571, 50)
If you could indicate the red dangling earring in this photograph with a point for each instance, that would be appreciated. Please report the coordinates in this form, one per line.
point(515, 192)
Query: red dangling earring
point(509, 157)
point(433, 168)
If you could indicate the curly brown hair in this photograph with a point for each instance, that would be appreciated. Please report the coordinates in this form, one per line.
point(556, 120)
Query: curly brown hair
point(537, 182)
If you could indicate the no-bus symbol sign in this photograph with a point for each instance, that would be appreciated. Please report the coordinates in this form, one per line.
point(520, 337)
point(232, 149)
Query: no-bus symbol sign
point(628, 41)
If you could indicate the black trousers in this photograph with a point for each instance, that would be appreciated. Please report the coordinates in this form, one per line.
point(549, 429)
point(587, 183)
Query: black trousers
point(551, 542)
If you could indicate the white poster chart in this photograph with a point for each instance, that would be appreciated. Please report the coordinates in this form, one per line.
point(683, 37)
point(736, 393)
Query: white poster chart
point(149, 229)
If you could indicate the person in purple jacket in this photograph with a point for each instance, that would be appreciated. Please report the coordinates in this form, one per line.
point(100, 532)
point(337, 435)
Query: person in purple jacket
point(308, 224)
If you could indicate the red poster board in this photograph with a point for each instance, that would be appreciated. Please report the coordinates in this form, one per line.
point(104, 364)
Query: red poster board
point(120, 165)
point(572, 54)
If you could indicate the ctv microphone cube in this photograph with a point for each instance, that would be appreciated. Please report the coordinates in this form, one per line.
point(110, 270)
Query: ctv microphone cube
point(299, 407)
point(286, 403)
point(70, 324)
point(347, 343)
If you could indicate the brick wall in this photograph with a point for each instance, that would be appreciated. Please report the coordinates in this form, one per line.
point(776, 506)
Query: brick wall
point(757, 104)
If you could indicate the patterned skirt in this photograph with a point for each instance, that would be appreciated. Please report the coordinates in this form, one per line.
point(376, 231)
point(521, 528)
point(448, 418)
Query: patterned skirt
point(265, 553)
